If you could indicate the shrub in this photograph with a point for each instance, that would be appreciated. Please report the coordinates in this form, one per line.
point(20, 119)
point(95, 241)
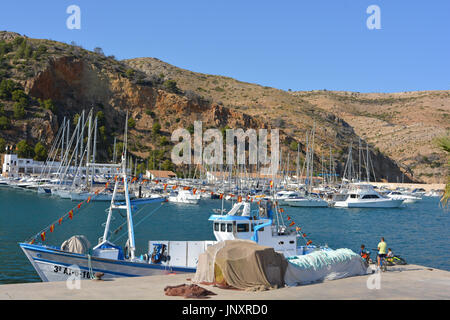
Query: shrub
point(294, 146)
point(2, 145)
point(19, 111)
point(163, 141)
point(6, 88)
point(100, 118)
point(99, 51)
point(40, 152)
point(156, 129)
point(102, 132)
point(48, 104)
point(150, 113)
point(5, 47)
point(18, 94)
point(5, 124)
point(167, 165)
point(24, 150)
point(131, 123)
point(18, 41)
point(171, 86)
point(130, 73)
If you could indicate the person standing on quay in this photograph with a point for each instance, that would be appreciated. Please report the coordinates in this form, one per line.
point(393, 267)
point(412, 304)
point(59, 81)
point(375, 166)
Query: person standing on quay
point(381, 250)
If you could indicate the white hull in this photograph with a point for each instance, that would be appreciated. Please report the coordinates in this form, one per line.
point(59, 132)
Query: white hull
point(99, 197)
point(63, 194)
point(185, 201)
point(185, 197)
point(382, 203)
point(318, 203)
point(405, 198)
point(56, 265)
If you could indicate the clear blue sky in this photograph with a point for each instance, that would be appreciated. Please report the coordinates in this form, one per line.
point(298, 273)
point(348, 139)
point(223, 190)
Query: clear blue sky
point(298, 45)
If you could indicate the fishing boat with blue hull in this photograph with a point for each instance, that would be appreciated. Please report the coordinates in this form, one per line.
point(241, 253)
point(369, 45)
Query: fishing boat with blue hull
point(53, 264)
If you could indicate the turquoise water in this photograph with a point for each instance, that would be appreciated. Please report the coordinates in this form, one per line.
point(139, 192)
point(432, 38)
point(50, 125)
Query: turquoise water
point(419, 232)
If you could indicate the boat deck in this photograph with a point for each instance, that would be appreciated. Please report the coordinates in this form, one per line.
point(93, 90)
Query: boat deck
point(399, 282)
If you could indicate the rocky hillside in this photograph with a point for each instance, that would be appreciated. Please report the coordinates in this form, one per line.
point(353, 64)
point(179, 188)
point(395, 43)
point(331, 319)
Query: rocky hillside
point(43, 81)
point(401, 126)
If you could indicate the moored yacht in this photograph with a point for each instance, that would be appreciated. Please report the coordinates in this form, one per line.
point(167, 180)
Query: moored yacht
point(306, 201)
point(184, 196)
point(360, 195)
point(401, 196)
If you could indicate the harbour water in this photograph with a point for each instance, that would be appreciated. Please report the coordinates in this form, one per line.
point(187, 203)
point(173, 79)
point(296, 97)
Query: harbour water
point(419, 232)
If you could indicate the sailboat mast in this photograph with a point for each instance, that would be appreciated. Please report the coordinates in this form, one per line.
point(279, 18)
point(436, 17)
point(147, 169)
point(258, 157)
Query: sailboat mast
point(367, 164)
point(131, 243)
point(88, 156)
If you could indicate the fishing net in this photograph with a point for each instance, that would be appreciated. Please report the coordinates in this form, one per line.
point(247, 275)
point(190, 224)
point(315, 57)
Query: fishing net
point(241, 264)
point(324, 265)
point(76, 244)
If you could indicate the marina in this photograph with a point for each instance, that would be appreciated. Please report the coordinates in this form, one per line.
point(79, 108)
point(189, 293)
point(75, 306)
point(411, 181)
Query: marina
point(244, 166)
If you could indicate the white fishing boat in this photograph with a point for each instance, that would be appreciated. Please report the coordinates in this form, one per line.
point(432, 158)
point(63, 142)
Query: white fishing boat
point(184, 196)
point(260, 226)
point(361, 195)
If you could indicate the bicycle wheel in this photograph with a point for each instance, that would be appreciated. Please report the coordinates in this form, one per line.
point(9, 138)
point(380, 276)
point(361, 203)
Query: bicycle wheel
point(383, 265)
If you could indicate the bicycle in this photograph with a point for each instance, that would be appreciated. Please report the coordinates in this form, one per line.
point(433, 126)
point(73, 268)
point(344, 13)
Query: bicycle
point(383, 262)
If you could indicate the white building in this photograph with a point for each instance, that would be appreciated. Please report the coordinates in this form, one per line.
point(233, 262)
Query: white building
point(13, 167)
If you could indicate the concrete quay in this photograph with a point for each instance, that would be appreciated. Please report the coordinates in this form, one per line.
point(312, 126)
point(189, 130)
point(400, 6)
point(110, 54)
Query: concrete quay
point(409, 282)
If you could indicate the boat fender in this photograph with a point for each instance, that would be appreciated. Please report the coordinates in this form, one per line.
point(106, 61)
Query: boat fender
point(126, 250)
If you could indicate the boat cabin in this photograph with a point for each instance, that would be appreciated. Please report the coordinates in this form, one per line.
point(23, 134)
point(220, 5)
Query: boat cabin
point(257, 225)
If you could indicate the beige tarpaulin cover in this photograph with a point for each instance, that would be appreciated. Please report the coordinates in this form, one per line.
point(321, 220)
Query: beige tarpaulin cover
point(241, 264)
point(76, 244)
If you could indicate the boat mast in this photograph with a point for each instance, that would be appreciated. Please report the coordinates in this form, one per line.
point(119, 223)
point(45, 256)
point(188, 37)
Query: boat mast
point(359, 160)
point(94, 149)
point(88, 156)
point(131, 243)
point(367, 164)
